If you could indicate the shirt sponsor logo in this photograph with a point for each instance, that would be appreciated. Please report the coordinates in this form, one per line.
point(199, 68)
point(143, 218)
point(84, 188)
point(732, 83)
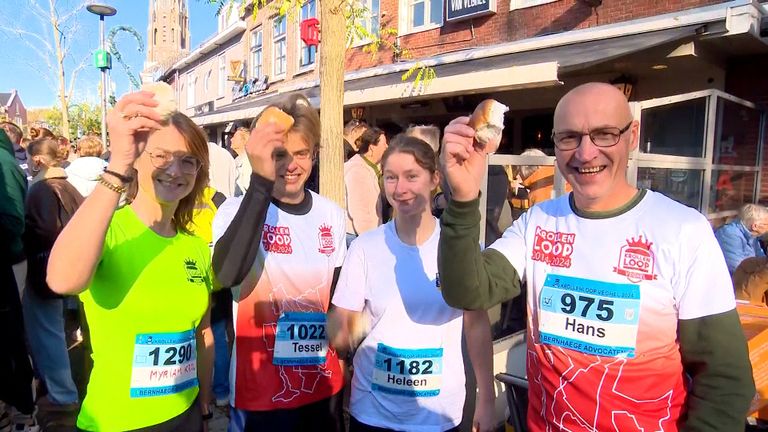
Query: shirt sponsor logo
point(276, 239)
point(194, 275)
point(553, 247)
point(636, 260)
point(325, 237)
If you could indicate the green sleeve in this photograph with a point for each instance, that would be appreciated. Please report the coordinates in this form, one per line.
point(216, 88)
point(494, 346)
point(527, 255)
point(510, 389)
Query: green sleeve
point(471, 279)
point(12, 192)
point(715, 356)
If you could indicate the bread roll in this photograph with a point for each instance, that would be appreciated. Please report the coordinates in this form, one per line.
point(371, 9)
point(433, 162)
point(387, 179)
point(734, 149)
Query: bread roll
point(164, 96)
point(275, 115)
point(488, 122)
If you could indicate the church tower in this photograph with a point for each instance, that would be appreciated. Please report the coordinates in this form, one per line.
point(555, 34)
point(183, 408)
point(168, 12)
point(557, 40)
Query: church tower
point(167, 33)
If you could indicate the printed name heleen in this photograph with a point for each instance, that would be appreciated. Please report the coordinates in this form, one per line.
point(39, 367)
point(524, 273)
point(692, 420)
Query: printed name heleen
point(594, 331)
point(393, 379)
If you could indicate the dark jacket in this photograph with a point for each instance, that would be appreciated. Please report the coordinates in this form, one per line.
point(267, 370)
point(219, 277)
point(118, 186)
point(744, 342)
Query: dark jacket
point(50, 204)
point(13, 187)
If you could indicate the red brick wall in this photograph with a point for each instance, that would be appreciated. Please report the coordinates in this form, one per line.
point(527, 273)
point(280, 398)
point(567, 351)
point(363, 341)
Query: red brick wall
point(745, 79)
point(505, 26)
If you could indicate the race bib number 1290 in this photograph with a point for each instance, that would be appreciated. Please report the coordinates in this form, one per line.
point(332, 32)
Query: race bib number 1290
point(163, 364)
point(590, 316)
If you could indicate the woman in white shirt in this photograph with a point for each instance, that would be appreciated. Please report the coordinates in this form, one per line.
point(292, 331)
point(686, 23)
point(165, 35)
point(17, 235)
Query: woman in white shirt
point(408, 368)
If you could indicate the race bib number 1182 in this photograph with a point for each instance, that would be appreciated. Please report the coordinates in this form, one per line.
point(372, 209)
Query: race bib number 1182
point(590, 316)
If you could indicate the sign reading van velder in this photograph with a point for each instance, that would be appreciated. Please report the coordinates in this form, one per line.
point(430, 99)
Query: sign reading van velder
point(457, 10)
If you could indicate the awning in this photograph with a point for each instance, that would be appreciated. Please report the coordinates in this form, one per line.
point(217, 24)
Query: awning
point(525, 69)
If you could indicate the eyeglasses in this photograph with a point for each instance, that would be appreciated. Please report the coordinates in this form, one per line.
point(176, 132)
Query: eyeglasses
point(282, 154)
point(163, 160)
point(603, 137)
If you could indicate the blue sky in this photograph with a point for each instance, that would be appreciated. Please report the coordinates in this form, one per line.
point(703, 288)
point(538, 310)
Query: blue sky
point(24, 70)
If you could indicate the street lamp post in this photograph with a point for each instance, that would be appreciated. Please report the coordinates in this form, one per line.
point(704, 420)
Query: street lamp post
point(103, 61)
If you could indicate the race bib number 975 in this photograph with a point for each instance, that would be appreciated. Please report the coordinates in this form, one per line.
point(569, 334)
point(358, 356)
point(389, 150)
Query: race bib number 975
point(593, 317)
point(163, 364)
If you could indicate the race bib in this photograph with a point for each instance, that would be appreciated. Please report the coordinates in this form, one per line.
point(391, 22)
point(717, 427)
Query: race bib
point(408, 372)
point(163, 364)
point(590, 316)
point(300, 339)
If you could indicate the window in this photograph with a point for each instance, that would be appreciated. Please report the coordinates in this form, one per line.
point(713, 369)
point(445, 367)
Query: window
point(191, 90)
point(675, 129)
point(222, 74)
point(422, 15)
point(257, 41)
point(520, 4)
point(371, 22)
point(307, 56)
point(207, 81)
point(279, 45)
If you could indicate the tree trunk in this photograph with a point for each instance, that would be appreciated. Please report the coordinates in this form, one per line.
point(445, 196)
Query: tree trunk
point(331, 52)
point(62, 81)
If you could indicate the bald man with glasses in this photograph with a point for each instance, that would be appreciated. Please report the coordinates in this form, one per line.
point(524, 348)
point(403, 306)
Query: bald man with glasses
point(632, 323)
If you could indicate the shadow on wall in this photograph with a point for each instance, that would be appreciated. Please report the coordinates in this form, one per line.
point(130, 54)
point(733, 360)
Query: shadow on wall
point(569, 20)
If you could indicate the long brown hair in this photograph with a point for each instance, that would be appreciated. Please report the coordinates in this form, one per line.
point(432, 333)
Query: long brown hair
point(198, 146)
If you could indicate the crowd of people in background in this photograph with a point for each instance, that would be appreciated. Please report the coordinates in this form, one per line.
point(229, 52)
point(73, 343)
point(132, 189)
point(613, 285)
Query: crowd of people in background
point(200, 276)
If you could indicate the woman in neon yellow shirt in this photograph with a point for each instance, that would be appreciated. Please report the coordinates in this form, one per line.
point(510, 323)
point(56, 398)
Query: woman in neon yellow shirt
point(143, 278)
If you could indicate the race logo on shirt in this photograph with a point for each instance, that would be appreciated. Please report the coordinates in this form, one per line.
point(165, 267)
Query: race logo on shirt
point(636, 260)
point(276, 239)
point(194, 275)
point(553, 247)
point(325, 237)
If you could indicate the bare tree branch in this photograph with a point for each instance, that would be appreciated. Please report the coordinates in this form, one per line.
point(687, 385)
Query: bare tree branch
point(73, 75)
point(23, 34)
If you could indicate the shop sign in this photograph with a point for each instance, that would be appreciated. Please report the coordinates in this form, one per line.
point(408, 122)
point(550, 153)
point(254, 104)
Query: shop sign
point(236, 71)
point(254, 86)
point(457, 10)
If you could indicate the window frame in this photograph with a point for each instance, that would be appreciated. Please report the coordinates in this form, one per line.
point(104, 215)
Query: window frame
point(301, 67)
point(191, 87)
point(279, 38)
point(406, 16)
point(369, 22)
point(253, 50)
point(222, 75)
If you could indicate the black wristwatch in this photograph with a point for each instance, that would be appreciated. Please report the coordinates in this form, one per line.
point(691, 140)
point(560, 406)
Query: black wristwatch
point(208, 416)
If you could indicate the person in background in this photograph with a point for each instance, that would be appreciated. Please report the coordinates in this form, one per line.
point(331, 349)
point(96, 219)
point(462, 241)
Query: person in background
point(362, 180)
point(84, 171)
point(242, 165)
point(223, 172)
point(143, 278)
point(390, 280)
point(51, 202)
point(750, 280)
point(221, 300)
point(352, 131)
point(15, 369)
point(632, 319)
point(36, 132)
point(431, 135)
point(64, 151)
point(280, 248)
point(740, 238)
point(16, 135)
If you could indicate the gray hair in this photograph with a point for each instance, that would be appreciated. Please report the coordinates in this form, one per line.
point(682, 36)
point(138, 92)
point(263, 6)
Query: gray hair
point(428, 133)
point(525, 171)
point(751, 214)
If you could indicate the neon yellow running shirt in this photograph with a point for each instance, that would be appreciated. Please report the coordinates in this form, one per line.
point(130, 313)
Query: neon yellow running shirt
point(143, 305)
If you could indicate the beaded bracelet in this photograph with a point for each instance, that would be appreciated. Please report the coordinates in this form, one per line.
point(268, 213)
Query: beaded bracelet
point(123, 178)
point(111, 186)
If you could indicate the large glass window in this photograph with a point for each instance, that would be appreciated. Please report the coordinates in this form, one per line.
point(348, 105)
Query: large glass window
point(737, 134)
point(257, 60)
point(307, 57)
point(682, 185)
point(730, 189)
point(191, 80)
point(279, 46)
point(676, 129)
